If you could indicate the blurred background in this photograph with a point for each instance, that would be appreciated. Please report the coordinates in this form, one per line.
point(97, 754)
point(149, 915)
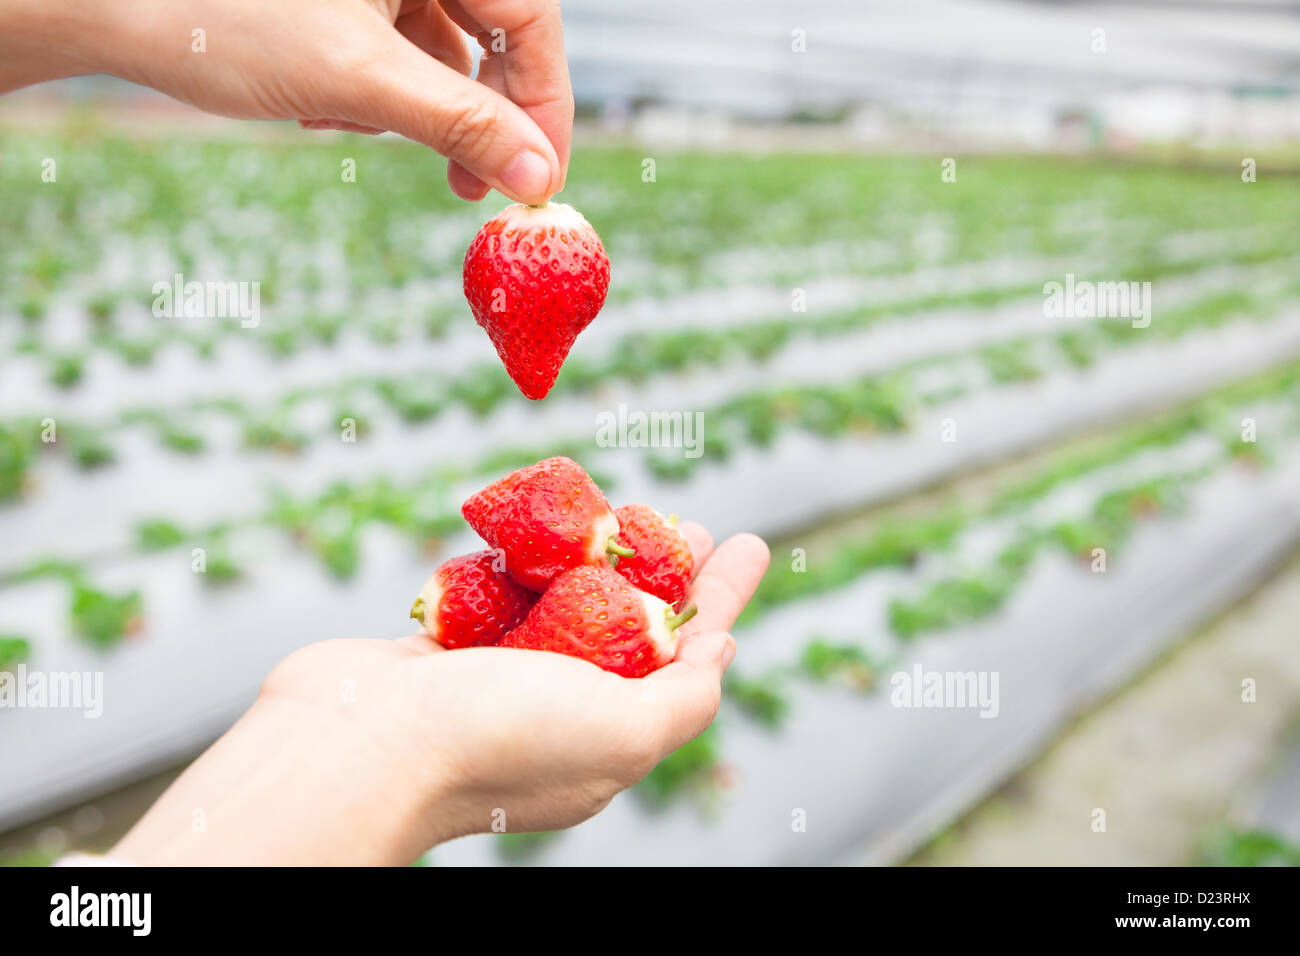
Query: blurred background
point(831, 226)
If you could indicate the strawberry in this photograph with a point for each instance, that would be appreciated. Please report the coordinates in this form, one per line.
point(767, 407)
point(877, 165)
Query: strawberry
point(593, 613)
point(663, 564)
point(470, 601)
point(535, 276)
point(547, 518)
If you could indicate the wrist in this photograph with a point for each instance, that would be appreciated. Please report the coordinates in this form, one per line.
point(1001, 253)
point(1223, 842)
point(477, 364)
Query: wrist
point(291, 785)
point(44, 40)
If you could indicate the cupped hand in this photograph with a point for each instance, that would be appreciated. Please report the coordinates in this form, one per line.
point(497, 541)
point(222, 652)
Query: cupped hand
point(545, 741)
point(360, 65)
point(390, 747)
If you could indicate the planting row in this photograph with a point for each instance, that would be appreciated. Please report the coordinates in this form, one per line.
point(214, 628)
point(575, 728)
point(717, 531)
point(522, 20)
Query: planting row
point(334, 488)
point(268, 408)
point(324, 249)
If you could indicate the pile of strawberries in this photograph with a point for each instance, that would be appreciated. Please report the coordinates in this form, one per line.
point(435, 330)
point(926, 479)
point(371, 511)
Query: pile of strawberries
point(564, 573)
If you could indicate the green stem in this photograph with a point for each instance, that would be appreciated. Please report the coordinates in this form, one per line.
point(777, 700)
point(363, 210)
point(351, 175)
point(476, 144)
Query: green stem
point(417, 610)
point(613, 547)
point(677, 620)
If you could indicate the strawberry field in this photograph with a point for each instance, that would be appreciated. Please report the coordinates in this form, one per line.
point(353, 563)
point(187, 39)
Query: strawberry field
point(937, 461)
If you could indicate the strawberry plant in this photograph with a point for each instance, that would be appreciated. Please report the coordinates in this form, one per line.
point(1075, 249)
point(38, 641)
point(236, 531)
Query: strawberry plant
point(67, 370)
point(339, 551)
point(13, 650)
point(158, 535)
point(101, 618)
point(848, 663)
point(1234, 847)
point(692, 768)
point(87, 447)
point(761, 698)
point(180, 440)
point(15, 462)
point(524, 847)
point(220, 569)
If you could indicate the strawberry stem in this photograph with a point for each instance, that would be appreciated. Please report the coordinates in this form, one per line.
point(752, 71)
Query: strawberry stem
point(677, 620)
point(417, 610)
point(613, 547)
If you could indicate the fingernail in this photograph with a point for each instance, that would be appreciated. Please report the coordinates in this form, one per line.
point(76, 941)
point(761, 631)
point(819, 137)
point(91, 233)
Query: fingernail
point(528, 175)
point(728, 652)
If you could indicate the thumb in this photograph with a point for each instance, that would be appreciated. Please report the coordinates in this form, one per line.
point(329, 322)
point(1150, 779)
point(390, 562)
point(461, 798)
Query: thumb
point(690, 687)
point(413, 94)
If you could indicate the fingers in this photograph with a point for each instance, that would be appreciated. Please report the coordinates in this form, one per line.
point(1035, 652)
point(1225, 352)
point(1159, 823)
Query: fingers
point(690, 687)
point(523, 43)
point(727, 582)
point(688, 690)
point(701, 542)
point(709, 651)
point(464, 183)
point(339, 125)
point(411, 93)
point(430, 29)
point(420, 643)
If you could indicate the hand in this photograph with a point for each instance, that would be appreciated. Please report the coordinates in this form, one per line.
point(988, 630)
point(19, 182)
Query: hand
point(373, 751)
point(360, 65)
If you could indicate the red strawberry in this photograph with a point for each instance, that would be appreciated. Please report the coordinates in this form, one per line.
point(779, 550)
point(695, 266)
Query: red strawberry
point(593, 613)
point(469, 601)
point(547, 518)
point(663, 564)
point(535, 276)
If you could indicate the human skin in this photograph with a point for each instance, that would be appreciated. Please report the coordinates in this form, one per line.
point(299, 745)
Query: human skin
point(360, 65)
point(369, 752)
